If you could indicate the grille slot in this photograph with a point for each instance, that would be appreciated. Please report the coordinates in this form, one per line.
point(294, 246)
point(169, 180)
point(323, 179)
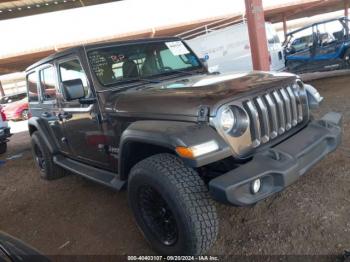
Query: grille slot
point(273, 113)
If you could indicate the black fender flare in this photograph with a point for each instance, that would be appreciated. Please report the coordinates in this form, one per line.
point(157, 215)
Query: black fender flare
point(43, 127)
point(169, 135)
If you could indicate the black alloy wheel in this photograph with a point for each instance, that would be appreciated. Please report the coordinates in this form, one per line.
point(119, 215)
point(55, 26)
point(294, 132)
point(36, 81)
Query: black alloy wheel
point(39, 158)
point(158, 216)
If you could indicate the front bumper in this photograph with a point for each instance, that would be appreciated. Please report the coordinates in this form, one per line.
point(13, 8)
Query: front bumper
point(280, 166)
point(4, 134)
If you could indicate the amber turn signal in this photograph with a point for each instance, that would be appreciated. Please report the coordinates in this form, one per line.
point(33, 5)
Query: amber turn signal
point(197, 150)
point(184, 152)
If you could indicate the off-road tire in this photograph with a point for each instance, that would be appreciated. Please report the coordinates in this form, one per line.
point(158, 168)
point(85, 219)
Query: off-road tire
point(24, 114)
point(3, 147)
point(49, 170)
point(347, 59)
point(186, 196)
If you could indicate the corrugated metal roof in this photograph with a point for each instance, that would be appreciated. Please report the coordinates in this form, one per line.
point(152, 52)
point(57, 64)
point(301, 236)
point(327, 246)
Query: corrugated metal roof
point(153, 19)
point(20, 8)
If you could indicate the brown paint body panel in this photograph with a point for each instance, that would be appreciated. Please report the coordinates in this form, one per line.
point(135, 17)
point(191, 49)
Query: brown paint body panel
point(162, 99)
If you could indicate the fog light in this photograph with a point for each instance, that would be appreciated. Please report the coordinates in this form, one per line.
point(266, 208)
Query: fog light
point(256, 185)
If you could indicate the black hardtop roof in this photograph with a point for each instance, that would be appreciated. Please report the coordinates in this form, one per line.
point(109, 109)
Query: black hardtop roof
point(321, 22)
point(96, 46)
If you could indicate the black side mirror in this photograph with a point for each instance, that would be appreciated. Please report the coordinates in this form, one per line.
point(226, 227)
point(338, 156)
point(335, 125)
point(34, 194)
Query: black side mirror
point(73, 89)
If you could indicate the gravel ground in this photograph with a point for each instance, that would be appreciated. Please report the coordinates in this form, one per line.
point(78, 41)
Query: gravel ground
point(77, 217)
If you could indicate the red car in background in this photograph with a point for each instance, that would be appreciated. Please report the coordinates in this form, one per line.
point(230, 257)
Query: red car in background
point(17, 110)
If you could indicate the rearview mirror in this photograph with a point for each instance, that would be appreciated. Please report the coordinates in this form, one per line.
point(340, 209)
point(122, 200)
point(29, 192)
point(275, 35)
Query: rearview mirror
point(73, 89)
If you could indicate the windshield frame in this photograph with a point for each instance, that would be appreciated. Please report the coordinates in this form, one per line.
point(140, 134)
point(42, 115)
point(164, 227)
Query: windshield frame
point(200, 69)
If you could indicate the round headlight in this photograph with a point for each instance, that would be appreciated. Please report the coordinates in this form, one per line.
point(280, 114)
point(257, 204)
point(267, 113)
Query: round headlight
point(227, 119)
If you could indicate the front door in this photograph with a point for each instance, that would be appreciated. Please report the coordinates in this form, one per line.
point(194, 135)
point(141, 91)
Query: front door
point(83, 132)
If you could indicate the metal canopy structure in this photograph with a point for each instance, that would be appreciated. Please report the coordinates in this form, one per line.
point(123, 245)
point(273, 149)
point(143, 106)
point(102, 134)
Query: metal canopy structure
point(19, 8)
point(303, 8)
point(273, 13)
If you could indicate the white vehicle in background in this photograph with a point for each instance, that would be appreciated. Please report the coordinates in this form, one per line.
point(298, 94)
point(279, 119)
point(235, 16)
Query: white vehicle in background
point(225, 46)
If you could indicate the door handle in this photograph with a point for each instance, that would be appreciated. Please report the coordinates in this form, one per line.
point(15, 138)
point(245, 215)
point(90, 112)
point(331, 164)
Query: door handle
point(64, 116)
point(46, 114)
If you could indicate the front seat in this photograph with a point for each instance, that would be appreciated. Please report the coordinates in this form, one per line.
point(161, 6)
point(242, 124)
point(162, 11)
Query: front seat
point(130, 69)
point(149, 67)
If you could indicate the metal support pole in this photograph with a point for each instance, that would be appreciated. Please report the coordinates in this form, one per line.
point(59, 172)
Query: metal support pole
point(346, 8)
point(346, 14)
point(257, 34)
point(285, 28)
point(2, 92)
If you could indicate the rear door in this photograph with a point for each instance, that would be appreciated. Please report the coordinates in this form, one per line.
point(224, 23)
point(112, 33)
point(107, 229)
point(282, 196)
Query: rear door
point(47, 106)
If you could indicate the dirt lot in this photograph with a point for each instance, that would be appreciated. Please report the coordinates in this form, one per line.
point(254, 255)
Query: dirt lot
point(75, 216)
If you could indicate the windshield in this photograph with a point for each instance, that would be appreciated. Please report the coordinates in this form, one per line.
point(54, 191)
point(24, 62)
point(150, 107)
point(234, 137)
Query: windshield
point(138, 61)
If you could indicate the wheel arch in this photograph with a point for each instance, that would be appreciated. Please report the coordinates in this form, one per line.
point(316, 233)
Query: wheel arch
point(37, 124)
point(134, 150)
point(143, 139)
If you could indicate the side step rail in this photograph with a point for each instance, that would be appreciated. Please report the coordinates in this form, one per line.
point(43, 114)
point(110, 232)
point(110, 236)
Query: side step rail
point(103, 177)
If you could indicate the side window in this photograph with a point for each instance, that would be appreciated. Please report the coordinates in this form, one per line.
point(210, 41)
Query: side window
point(48, 83)
point(32, 81)
point(71, 70)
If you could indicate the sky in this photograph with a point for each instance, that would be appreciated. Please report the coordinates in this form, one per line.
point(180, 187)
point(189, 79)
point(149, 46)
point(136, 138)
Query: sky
point(44, 31)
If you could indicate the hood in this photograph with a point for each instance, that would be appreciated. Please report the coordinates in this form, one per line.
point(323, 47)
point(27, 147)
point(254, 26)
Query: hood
point(185, 96)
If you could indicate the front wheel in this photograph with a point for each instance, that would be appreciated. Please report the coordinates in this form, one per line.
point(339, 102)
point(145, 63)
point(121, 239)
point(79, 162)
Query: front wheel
point(172, 206)
point(3, 147)
point(25, 114)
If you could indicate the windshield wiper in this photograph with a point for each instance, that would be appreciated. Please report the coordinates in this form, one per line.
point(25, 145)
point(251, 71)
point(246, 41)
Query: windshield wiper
point(191, 73)
point(127, 80)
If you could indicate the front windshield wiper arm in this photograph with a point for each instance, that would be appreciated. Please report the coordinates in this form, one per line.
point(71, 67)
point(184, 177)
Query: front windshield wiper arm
point(133, 82)
point(191, 73)
point(127, 80)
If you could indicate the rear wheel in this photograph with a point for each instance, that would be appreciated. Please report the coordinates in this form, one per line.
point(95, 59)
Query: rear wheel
point(25, 114)
point(3, 147)
point(43, 159)
point(172, 206)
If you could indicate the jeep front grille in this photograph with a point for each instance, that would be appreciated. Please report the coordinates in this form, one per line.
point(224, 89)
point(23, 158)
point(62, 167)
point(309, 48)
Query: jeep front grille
point(274, 113)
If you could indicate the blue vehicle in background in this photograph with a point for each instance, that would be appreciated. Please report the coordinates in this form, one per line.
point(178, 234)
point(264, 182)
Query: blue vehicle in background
point(321, 46)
